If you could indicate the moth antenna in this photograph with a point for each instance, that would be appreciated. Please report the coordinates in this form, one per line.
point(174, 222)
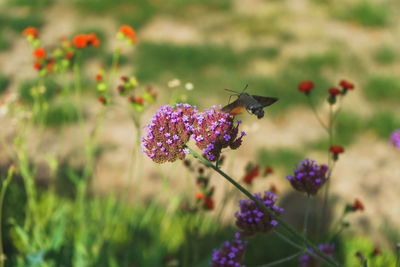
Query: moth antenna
point(229, 90)
point(244, 89)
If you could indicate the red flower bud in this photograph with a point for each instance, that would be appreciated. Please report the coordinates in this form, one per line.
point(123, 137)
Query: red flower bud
point(306, 86)
point(30, 31)
point(357, 205)
point(99, 77)
point(102, 100)
point(334, 91)
point(346, 85)
point(132, 99)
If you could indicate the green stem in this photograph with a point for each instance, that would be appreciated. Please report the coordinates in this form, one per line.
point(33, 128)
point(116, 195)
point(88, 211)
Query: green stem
point(283, 224)
point(398, 255)
point(288, 258)
point(4, 186)
point(306, 216)
point(316, 114)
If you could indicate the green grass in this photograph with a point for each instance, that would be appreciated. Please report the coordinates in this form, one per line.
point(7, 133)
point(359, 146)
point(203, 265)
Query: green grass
point(366, 13)
point(383, 88)
point(385, 55)
point(4, 43)
point(37, 4)
point(284, 158)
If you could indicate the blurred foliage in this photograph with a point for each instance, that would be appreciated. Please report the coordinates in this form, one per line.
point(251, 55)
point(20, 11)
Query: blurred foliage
point(385, 54)
point(383, 88)
point(37, 4)
point(283, 157)
point(367, 13)
point(141, 11)
point(4, 43)
point(19, 23)
point(383, 122)
point(4, 81)
point(61, 112)
point(29, 88)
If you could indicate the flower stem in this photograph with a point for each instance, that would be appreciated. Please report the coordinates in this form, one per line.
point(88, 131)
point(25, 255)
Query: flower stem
point(306, 215)
point(283, 224)
point(288, 258)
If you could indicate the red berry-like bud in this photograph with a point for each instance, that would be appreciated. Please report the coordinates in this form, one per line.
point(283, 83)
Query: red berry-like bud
point(39, 53)
point(37, 66)
point(357, 205)
point(336, 150)
point(346, 85)
point(69, 55)
point(99, 77)
point(132, 99)
point(124, 78)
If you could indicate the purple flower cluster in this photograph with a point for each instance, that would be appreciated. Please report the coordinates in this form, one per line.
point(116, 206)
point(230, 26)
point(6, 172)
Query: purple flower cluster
point(395, 138)
point(252, 219)
point(307, 260)
point(229, 255)
point(168, 132)
point(308, 177)
point(215, 130)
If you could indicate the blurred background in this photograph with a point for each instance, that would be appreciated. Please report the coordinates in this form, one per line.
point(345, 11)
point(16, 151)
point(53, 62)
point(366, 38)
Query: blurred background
point(191, 50)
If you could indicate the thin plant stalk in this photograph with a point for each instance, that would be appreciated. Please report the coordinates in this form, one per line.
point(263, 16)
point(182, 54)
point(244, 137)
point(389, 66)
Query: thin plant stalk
point(325, 258)
point(4, 186)
point(280, 261)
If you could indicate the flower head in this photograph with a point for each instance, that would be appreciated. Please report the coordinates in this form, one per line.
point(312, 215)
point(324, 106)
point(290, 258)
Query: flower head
point(395, 138)
point(80, 40)
point(168, 132)
point(336, 150)
point(333, 92)
point(307, 260)
point(92, 39)
point(306, 87)
point(30, 31)
point(357, 205)
point(229, 255)
point(128, 32)
point(308, 177)
point(252, 219)
point(39, 53)
point(214, 131)
point(346, 85)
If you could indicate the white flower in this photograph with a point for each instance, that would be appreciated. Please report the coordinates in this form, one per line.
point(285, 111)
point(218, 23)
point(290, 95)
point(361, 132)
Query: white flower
point(189, 86)
point(174, 83)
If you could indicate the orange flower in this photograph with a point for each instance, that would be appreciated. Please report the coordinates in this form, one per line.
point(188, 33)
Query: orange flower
point(129, 32)
point(39, 53)
point(99, 77)
point(93, 40)
point(30, 31)
point(80, 40)
point(200, 195)
point(139, 100)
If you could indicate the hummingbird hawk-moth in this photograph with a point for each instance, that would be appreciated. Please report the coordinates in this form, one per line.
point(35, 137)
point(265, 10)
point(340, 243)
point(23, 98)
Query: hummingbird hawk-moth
point(254, 104)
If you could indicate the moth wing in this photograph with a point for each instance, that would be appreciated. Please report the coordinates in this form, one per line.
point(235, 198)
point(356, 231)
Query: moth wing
point(265, 101)
point(234, 108)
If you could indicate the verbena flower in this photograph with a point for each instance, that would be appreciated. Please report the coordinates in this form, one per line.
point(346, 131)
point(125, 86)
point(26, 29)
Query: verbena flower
point(395, 138)
point(230, 254)
point(253, 219)
point(308, 177)
point(168, 132)
point(214, 131)
point(307, 260)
